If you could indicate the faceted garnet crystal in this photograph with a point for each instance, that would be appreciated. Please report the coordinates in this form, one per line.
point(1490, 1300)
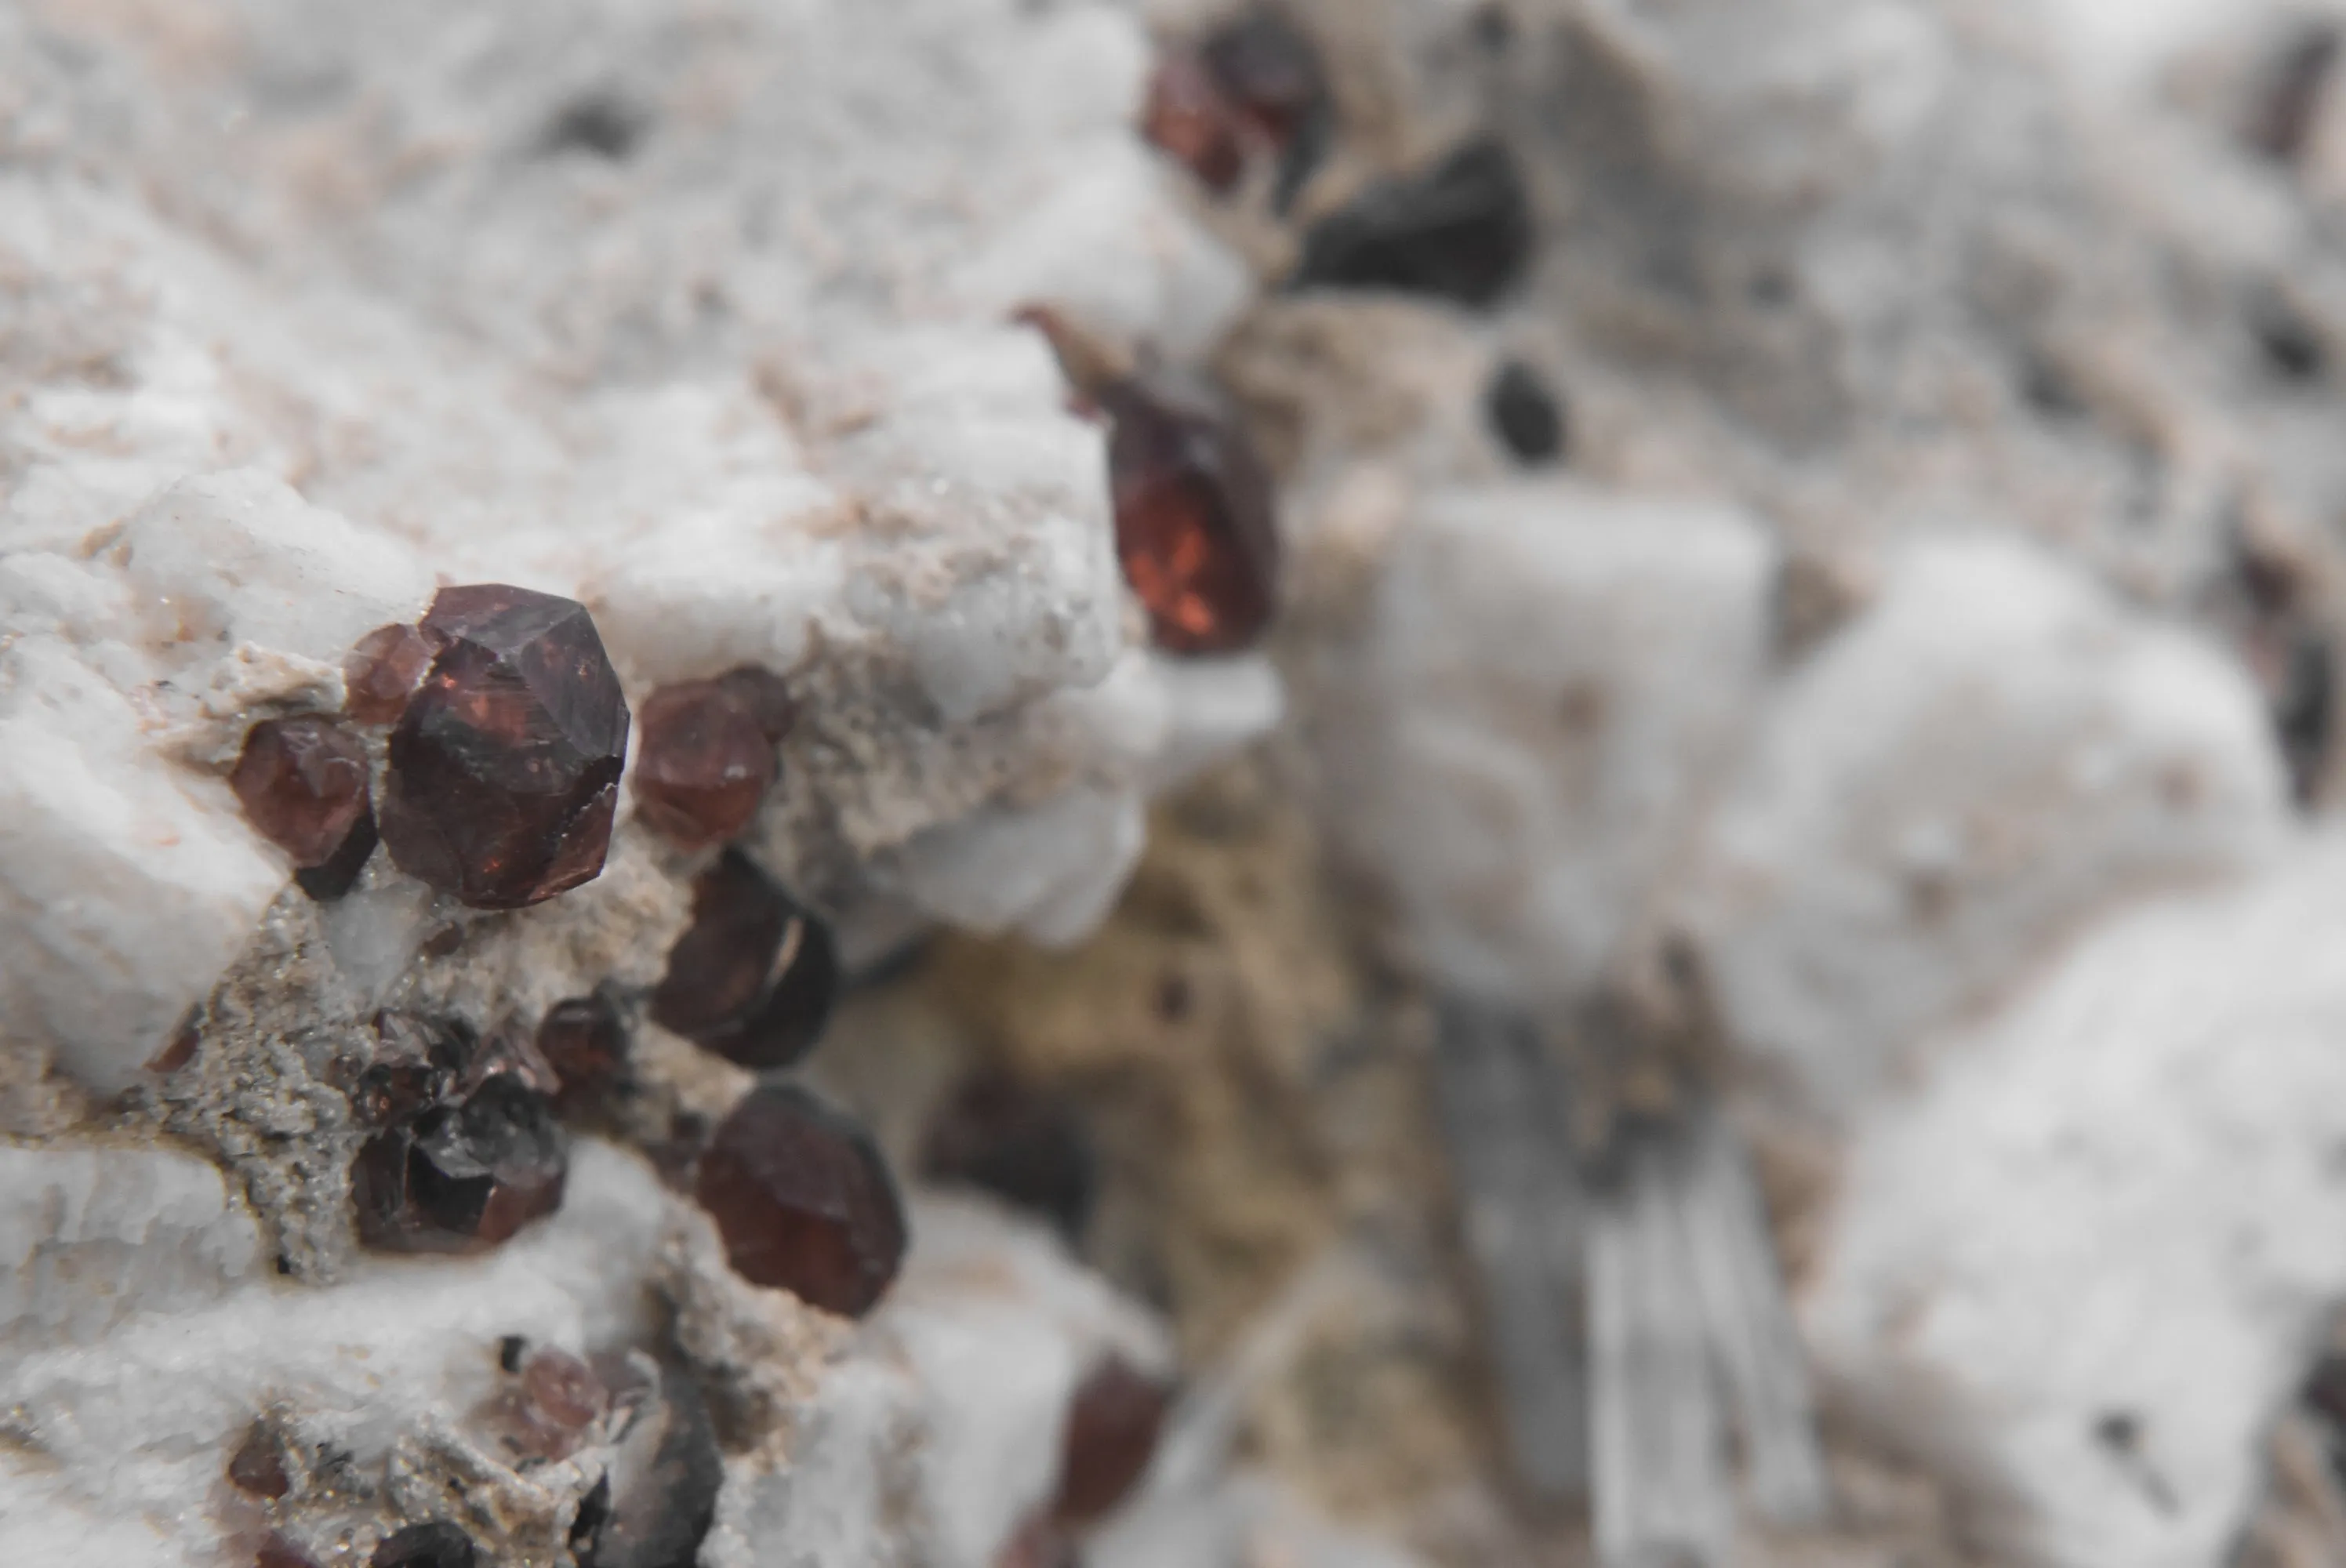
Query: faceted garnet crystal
point(1112, 1427)
point(436, 1544)
point(1460, 230)
point(469, 1151)
point(803, 1200)
point(585, 1040)
point(505, 768)
point(705, 756)
point(753, 976)
point(302, 782)
point(1018, 1142)
point(1193, 520)
point(380, 672)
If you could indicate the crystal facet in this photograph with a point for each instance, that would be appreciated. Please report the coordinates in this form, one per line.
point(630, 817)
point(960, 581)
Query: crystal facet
point(302, 782)
point(381, 671)
point(803, 1200)
point(461, 1177)
point(753, 976)
point(1193, 520)
point(1017, 1142)
point(585, 1040)
point(703, 761)
point(437, 1545)
point(1111, 1435)
point(545, 1413)
point(505, 768)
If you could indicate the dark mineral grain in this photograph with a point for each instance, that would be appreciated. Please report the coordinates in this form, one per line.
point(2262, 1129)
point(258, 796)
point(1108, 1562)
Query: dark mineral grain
point(753, 976)
point(803, 1200)
point(1194, 529)
point(1460, 230)
point(1019, 1142)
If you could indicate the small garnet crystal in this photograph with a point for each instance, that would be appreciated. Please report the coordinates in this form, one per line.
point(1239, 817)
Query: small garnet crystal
point(1460, 230)
point(1193, 520)
point(380, 673)
point(803, 1200)
point(753, 976)
point(258, 1465)
point(505, 768)
point(302, 782)
point(1112, 1427)
point(585, 1040)
point(276, 1552)
point(1018, 1142)
point(705, 757)
point(1190, 119)
point(463, 1177)
point(438, 1545)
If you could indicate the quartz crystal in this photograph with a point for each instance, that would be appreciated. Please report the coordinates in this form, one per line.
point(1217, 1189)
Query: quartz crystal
point(1018, 1142)
point(753, 976)
point(1111, 1435)
point(461, 1177)
point(302, 782)
point(803, 1200)
point(703, 761)
point(1193, 520)
point(381, 671)
point(505, 768)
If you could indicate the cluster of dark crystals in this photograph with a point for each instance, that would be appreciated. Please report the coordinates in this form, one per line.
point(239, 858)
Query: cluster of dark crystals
point(1021, 1142)
point(466, 1147)
point(1253, 82)
point(753, 976)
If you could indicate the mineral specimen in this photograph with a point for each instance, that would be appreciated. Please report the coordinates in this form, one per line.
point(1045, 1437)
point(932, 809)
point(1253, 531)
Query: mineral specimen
point(803, 1200)
point(660, 1495)
point(585, 1040)
point(505, 768)
point(1194, 527)
point(435, 1544)
point(303, 781)
point(1187, 117)
point(1018, 1142)
point(703, 760)
point(1111, 1435)
point(461, 1177)
point(381, 671)
point(753, 976)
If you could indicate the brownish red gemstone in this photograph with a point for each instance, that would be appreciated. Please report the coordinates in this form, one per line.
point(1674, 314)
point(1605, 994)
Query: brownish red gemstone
point(1188, 117)
point(585, 1040)
point(505, 768)
point(258, 1465)
point(705, 756)
point(1020, 1143)
point(461, 1176)
point(803, 1200)
point(753, 976)
point(1193, 520)
point(302, 782)
point(276, 1552)
point(1112, 1429)
point(380, 673)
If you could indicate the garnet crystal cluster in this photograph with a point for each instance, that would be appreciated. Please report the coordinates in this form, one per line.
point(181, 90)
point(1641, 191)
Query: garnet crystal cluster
point(504, 763)
point(707, 755)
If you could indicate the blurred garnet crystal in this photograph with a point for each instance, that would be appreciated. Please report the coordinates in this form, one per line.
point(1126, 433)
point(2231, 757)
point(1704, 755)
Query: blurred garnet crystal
point(803, 1200)
point(753, 976)
point(505, 768)
point(585, 1040)
point(705, 756)
point(1017, 1141)
point(381, 671)
point(1189, 119)
point(1194, 529)
point(1111, 1435)
point(546, 1412)
point(1460, 230)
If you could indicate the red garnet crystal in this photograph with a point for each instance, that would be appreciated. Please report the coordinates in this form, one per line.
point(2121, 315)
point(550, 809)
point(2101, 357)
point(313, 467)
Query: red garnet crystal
point(753, 976)
point(258, 1465)
point(302, 782)
point(707, 755)
point(1112, 1427)
point(1187, 117)
point(1021, 1142)
point(585, 1040)
point(380, 673)
point(505, 768)
point(461, 1177)
point(1193, 520)
point(803, 1200)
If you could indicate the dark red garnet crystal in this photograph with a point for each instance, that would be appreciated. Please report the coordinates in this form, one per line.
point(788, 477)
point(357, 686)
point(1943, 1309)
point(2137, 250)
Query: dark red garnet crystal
point(585, 1040)
point(258, 1465)
point(1190, 119)
point(1193, 520)
point(705, 755)
point(803, 1200)
point(1112, 1427)
point(753, 976)
point(1019, 1142)
point(380, 673)
point(302, 782)
point(505, 768)
point(1459, 230)
point(468, 1150)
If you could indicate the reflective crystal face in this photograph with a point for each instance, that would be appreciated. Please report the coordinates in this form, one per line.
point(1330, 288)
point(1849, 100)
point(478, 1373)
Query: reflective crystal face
point(505, 767)
point(302, 782)
point(753, 977)
point(803, 1200)
point(380, 672)
point(704, 759)
point(1194, 529)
